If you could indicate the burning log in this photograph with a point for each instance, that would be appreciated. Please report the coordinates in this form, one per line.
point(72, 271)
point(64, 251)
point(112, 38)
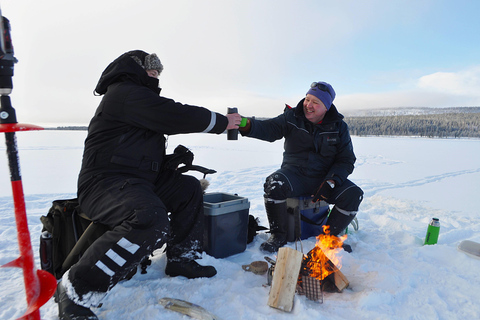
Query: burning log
point(333, 280)
point(285, 278)
point(319, 273)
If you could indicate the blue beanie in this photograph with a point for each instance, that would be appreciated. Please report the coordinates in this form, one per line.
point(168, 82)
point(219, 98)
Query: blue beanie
point(324, 92)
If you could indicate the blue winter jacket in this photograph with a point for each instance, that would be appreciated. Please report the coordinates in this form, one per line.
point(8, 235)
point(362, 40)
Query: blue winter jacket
point(321, 150)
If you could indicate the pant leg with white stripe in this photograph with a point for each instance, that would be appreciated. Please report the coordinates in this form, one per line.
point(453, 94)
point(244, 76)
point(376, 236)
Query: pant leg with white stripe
point(144, 227)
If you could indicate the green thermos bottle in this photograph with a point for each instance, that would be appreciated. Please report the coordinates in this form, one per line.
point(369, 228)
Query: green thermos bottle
point(432, 231)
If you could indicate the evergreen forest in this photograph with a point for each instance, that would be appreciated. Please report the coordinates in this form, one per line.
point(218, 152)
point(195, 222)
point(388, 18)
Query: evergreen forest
point(444, 125)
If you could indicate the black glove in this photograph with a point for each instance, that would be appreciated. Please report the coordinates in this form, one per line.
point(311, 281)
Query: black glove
point(323, 192)
point(181, 155)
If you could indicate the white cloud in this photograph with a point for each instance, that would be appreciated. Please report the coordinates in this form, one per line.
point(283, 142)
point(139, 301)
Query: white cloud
point(439, 89)
point(465, 82)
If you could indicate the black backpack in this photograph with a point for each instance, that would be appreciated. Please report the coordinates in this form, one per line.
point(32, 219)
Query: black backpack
point(66, 234)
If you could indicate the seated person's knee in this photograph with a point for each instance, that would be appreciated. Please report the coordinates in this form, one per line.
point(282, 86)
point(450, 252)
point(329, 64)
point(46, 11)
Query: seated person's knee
point(145, 218)
point(350, 199)
point(276, 187)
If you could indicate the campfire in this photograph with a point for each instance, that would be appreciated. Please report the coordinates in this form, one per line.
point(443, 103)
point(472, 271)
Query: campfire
point(310, 274)
point(320, 271)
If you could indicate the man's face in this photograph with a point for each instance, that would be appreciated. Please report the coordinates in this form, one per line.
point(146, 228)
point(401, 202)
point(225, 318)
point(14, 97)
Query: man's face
point(153, 73)
point(314, 109)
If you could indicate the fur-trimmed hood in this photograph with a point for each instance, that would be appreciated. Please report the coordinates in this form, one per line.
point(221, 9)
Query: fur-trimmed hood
point(124, 68)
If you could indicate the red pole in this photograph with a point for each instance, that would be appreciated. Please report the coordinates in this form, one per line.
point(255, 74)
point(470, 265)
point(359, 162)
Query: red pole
point(39, 284)
point(32, 287)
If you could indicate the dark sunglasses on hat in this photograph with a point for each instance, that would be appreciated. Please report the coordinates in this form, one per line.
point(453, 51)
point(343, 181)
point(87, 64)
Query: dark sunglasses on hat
point(320, 86)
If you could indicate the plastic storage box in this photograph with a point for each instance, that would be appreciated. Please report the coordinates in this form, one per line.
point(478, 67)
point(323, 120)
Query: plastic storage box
point(226, 224)
point(315, 212)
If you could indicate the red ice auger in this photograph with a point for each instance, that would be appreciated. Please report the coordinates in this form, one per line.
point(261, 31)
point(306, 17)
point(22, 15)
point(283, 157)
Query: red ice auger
point(39, 284)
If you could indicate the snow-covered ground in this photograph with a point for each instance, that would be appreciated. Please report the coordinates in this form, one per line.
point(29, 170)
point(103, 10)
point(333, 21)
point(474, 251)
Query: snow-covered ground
point(407, 181)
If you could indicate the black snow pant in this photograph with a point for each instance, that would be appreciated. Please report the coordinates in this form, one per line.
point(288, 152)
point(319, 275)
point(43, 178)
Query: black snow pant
point(136, 211)
point(291, 182)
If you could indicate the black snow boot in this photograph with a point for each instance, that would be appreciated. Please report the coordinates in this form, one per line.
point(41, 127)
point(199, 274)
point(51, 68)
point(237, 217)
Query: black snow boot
point(278, 220)
point(338, 221)
point(189, 269)
point(68, 310)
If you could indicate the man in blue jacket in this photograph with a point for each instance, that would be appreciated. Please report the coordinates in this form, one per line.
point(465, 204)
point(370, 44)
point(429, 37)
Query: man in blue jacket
point(318, 157)
point(125, 185)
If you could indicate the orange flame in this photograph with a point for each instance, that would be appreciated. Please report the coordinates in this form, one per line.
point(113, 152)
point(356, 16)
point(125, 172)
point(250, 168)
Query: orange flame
point(323, 258)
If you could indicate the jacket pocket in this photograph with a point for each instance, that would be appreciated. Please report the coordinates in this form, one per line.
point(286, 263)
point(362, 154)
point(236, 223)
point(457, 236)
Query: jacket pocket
point(329, 144)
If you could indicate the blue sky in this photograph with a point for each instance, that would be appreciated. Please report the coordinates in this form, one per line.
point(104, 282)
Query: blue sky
point(256, 55)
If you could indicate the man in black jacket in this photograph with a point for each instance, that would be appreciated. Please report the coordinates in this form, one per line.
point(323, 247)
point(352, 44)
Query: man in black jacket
point(123, 184)
point(318, 157)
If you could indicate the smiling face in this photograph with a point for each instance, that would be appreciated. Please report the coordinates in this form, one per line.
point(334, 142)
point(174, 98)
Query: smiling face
point(314, 109)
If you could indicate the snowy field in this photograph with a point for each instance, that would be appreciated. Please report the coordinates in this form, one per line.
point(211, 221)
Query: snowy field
point(407, 181)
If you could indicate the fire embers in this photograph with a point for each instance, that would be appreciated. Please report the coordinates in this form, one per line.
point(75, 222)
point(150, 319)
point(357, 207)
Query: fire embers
point(320, 270)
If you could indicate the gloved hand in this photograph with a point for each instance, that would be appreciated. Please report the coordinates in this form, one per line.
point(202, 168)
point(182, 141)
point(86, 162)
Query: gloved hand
point(181, 155)
point(247, 125)
point(323, 192)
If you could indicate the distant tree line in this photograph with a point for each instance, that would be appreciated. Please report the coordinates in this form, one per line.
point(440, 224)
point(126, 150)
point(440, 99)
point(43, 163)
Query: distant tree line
point(430, 122)
point(446, 125)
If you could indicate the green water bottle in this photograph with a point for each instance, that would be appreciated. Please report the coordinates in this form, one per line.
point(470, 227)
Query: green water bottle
point(432, 231)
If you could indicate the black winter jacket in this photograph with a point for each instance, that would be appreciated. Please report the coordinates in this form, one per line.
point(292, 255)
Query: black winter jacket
point(321, 150)
point(127, 134)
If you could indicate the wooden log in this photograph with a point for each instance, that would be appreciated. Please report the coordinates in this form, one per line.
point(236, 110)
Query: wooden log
point(285, 279)
point(341, 282)
point(339, 279)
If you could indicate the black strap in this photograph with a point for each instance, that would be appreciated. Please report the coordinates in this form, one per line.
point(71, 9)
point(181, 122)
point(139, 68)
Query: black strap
point(307, 220)
point(297, 228)
point(82, 244)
